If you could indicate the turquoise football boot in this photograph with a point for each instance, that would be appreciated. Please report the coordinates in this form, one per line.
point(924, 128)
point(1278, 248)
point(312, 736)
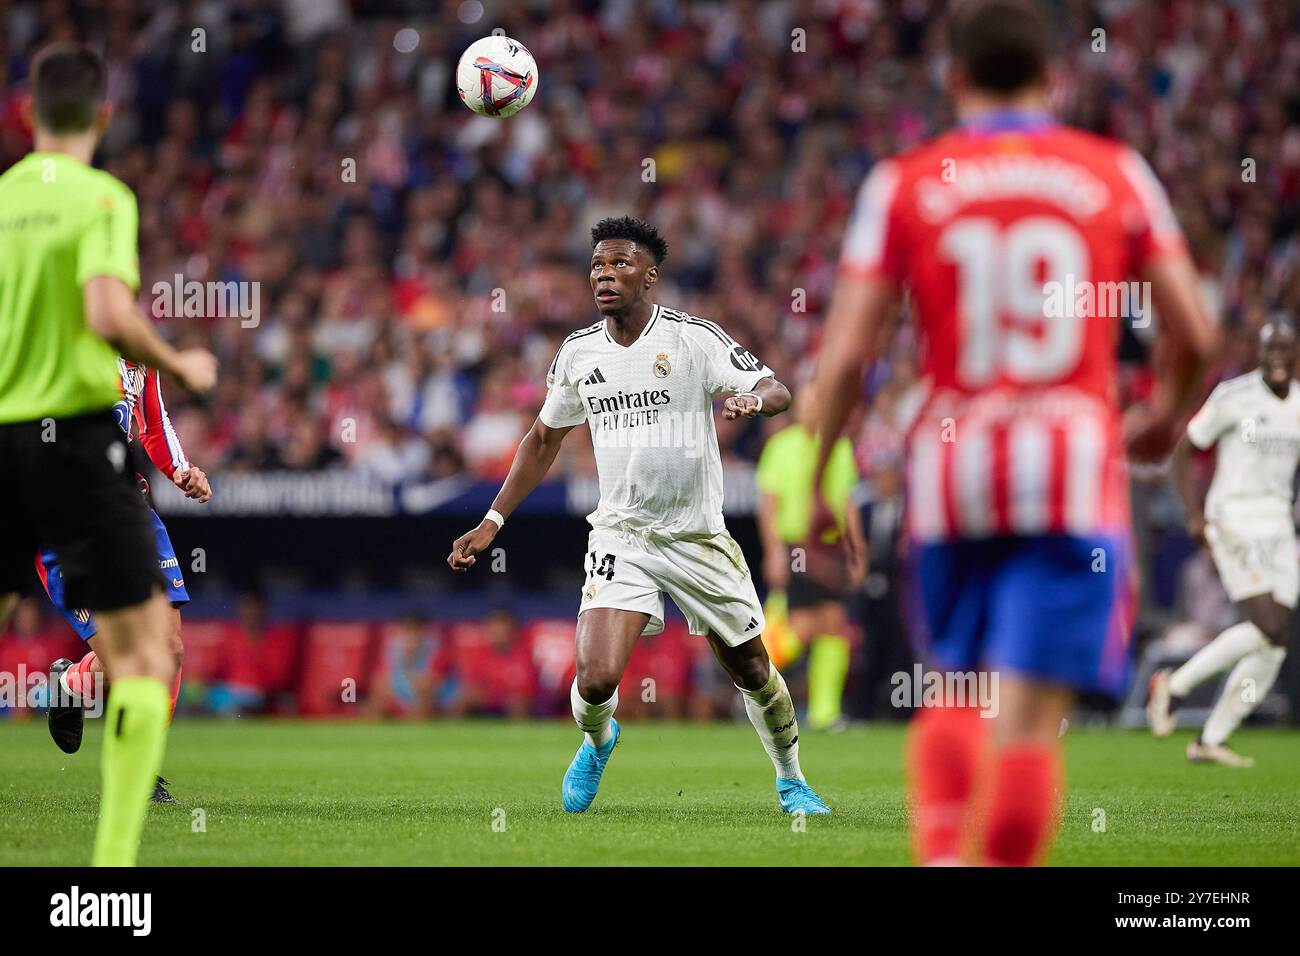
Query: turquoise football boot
point(582, 779)
point(796, 796)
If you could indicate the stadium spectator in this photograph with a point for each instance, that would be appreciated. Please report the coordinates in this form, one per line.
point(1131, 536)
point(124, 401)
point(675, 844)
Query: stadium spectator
point(257, 662)
point(411, 676)
point(493, 667)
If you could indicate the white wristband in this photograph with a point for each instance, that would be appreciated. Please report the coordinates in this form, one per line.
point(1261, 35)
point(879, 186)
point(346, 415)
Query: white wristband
point(756, 397)
point(495, 518)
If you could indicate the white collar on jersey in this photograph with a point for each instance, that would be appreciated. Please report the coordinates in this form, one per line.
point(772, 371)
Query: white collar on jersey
point(654, 317)
point(1258, 375)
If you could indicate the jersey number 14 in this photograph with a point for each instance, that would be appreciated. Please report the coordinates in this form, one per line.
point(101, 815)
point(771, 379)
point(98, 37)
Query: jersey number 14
point(605, 569)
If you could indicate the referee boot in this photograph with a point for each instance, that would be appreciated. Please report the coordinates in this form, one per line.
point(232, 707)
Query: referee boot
point(161, 794)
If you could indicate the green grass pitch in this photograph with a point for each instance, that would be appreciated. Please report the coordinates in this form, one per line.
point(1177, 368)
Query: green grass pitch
point(290, 793)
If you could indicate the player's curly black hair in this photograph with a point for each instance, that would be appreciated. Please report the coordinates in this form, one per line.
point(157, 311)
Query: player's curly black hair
point(625, 227)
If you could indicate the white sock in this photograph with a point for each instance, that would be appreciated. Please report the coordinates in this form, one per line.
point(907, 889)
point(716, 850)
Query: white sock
point(1247, 685)
point(593, 718)
point(67, 691)
point(1217, 656)
point(771, 711)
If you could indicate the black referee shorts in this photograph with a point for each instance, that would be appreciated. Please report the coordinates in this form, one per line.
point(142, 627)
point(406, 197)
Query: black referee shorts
point(804, 592)
point(68, 484)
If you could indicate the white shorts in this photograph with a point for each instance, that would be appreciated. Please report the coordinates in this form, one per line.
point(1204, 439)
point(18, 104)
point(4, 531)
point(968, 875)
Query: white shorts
point(1255, 561)
point(706, 577)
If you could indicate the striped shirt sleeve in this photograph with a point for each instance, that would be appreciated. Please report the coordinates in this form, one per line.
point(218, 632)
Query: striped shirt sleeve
point(1154, 227)
point(872, 240)
point(154, 428)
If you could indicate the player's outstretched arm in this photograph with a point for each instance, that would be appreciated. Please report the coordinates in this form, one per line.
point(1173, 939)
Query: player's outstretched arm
point(855, 541)
point(858, 314)
point(112, 315)
point(1186, 342)
point(533, 460)
point(162, 443)
point(776, 554)
point(1185, 485)
point(769, 397)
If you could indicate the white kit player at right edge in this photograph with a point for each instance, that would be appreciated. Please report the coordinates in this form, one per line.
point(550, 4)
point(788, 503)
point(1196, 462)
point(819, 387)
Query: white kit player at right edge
point(1253, 421)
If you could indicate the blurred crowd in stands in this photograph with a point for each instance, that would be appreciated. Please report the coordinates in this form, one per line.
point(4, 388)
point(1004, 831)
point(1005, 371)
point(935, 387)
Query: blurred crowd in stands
point(418, 265)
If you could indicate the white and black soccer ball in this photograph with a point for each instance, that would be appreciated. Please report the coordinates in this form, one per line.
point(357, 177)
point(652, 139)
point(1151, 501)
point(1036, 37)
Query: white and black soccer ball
point(496, 76)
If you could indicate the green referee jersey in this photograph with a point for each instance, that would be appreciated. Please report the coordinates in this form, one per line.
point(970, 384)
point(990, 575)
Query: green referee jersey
point(61, 223)
point(785, 469)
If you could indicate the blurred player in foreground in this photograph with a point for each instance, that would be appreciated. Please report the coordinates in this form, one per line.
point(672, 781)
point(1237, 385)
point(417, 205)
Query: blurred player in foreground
point(143, 417)
point(644, 378)
point(67, 270)
point(1254, 422)
point(817, 587)
point(1017, 499)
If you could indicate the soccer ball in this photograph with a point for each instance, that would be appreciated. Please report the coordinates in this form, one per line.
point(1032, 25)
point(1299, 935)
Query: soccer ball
point(496, 76)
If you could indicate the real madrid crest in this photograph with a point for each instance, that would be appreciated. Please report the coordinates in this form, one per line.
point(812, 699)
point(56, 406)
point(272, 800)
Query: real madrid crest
point(589, 592)
point(662, 366)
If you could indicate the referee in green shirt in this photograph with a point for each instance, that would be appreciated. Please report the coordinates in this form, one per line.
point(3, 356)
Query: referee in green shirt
point(68, 273)
point(817, 584)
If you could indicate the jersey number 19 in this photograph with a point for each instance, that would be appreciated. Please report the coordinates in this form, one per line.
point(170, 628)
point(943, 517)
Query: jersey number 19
point(999, 274)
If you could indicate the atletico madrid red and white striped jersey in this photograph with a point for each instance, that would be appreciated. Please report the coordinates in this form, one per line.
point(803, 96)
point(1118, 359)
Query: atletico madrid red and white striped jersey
point(1015, 239)
point(143, 416)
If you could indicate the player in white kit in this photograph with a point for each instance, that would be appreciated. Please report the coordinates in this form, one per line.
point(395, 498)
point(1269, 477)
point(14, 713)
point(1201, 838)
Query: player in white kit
point(1247, 521)
point(644, 378)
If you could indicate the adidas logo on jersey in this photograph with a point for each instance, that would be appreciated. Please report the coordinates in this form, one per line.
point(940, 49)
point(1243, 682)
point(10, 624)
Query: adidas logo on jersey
point(595, 378)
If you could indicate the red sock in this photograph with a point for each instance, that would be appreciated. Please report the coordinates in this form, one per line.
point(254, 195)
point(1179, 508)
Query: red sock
point(176, 693)
point(944, 755)
point(80, 678)
point(1022, 811)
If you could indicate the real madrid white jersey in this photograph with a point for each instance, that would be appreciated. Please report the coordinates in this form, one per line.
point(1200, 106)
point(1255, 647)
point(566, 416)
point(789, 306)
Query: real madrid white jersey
point(1258, 440)
point(649, 406)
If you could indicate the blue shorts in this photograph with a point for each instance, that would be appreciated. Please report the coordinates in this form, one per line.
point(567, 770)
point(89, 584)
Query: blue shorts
point(1054, 607)
point(82, 621)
